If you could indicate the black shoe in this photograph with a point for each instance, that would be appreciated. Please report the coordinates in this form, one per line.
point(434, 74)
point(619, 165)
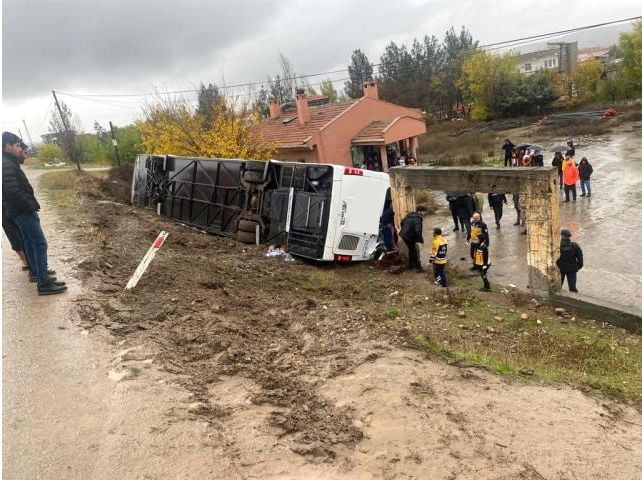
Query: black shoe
point(566, 201)
point(50, 288)
point(516, 224)
point(588, 194)
point(456, 229)
point(473, 268)
point(485, 289)
point(26, 268)
point(419, 270)
point(583, 195)
point(33, 278)
point(499, 226)
point(574, 290)
point(60, 283)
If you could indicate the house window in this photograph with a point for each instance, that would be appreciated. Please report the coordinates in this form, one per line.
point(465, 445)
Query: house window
point(527, 67)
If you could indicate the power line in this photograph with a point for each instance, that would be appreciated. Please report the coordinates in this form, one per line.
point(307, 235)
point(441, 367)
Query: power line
point(490, 46)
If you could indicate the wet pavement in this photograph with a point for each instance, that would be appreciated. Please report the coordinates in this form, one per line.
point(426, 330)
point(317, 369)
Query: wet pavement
point(607, 226)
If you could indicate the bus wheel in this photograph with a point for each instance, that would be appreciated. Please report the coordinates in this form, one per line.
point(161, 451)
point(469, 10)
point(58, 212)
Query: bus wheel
point(247, 226)
point(255, 166)
point(253, 176)
point(246, 237)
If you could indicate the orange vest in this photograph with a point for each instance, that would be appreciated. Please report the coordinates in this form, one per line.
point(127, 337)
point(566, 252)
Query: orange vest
point(571, 174)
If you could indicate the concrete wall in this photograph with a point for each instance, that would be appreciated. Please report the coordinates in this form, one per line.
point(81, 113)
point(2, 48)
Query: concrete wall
point(335, 139)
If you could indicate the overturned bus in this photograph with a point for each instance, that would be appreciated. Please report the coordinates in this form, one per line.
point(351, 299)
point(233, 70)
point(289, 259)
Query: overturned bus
point(319, 211)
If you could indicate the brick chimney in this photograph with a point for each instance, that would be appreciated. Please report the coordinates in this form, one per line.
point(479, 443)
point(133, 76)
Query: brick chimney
point(370, 89)
point(302, 107)
point(275, 109)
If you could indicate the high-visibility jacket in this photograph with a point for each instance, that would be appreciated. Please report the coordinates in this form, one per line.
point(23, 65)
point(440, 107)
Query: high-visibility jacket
point(567, 162)
point(481, 256)
point(439, 250)
point(571, 174)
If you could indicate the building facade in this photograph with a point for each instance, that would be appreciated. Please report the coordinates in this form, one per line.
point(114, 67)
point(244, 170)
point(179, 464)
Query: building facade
point(367, 132)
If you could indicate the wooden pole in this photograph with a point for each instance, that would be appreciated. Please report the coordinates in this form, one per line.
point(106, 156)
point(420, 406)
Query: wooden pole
point(68, 139)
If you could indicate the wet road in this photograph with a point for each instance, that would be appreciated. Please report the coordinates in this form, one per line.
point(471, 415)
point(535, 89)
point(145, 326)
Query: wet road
point(64, 416)
point(607, 226)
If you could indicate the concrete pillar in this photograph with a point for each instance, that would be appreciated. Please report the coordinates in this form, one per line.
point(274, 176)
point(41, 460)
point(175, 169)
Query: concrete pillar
point(414, 146)
point(403, 198)
point(384, 158)
point(543, 226)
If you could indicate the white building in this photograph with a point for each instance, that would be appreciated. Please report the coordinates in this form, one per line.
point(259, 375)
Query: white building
point(540, 60)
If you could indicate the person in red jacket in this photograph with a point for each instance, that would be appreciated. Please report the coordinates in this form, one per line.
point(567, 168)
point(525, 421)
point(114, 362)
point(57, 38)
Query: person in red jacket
point(571, 175)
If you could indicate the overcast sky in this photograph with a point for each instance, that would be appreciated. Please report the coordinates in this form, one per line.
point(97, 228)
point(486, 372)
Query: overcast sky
point(134, 46)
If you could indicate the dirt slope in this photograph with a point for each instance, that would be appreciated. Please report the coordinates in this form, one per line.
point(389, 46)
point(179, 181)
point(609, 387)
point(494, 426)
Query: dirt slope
point(303, 373)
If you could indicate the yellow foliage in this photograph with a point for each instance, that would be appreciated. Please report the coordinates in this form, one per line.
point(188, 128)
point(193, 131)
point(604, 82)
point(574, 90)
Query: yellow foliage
point(173, 127)
point(587, 78)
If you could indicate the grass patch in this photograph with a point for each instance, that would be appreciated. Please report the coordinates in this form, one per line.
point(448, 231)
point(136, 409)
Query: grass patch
point(585, 354)
point(63, 187)
point(393, 313)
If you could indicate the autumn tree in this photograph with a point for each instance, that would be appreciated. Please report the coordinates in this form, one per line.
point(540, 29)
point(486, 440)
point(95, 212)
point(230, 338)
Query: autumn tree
point(172, 126)
point(359, 71)
point(587, 78)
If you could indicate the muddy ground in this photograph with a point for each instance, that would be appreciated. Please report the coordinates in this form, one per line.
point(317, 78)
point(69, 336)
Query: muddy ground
point(306, 371)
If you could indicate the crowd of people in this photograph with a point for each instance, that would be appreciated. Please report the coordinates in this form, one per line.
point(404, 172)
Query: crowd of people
point(466, 210)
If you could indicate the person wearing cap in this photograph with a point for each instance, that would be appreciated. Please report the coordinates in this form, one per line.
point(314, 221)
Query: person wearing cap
point(20, 205)
point(571, 260)
point(438, 258)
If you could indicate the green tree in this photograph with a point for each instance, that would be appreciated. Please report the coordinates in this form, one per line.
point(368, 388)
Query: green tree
point(359, 71)
point(209, 102)
point(67, 138)
point(456, 47)
point(260, 103)
point(50, 152)
point(631, 53)
point(327, 90)
point(129, 145)
point(587, 78)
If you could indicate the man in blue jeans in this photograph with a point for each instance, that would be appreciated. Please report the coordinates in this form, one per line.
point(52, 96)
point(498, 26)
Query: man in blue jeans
point(20, 205)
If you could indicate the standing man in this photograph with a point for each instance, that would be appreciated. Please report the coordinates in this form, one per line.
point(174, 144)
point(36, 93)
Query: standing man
point(412, 233)
point(454, 199)
point(571, 260)
point(508, 153)
point(438, 258)
point(477, 236)
point(586, 170)
point(571, 175)
point(20, 205)
point(496, 202)
point(571, 148)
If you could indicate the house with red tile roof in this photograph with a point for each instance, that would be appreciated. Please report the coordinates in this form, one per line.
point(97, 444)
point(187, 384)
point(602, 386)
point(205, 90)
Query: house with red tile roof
point(365, 132)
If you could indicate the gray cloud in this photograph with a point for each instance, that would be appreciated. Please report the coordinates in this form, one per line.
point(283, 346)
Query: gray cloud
point(70, 44)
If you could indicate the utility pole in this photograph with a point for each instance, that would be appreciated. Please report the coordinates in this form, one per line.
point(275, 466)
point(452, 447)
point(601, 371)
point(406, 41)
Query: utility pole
point(114, 142)
point(67, 135)
point(28, 136)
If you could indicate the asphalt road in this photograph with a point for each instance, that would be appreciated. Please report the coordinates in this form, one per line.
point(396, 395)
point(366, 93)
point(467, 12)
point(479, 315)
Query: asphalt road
point(64, 416)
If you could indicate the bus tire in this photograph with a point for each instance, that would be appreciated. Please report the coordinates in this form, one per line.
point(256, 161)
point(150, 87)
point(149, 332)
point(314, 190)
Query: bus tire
point(246, 237)
point(253, 176)
point(254, 166)
point(247, 226)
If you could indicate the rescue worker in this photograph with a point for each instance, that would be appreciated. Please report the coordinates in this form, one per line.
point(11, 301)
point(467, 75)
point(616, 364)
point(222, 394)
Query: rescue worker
point(477, 236)
point(571, 260)
point(438, 258)
point(482, 263)
point(412, 233)
point(496, 202)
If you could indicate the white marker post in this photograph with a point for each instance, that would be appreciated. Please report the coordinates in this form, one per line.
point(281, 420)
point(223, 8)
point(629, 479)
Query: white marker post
point(147, 259)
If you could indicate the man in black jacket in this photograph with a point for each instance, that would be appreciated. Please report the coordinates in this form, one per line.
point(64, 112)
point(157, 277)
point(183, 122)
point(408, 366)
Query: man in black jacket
point(20, 205)
point(496, 202)
point(412, 233)
point(508, 152)
point(571, 260)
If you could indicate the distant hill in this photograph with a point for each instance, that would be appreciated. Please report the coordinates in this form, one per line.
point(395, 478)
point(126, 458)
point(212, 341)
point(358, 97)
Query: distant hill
point(597, 37)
